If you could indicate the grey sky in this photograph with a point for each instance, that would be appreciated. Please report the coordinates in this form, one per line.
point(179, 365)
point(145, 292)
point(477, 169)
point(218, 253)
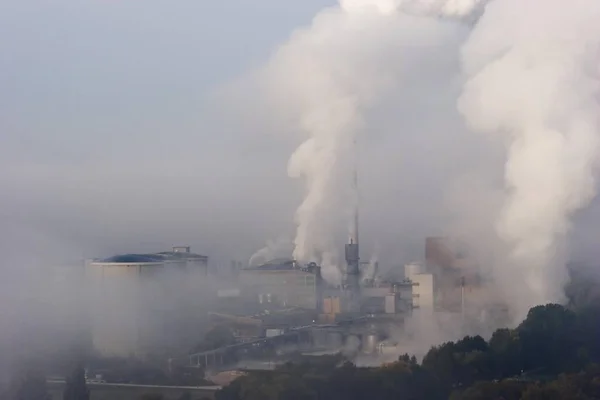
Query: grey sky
point(135, 125)
point(95, 92)
point(111, 141)
point(81, 77)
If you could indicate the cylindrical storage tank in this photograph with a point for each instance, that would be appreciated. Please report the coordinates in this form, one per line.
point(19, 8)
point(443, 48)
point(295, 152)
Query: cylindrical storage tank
point(369, 343)
point(412, 269)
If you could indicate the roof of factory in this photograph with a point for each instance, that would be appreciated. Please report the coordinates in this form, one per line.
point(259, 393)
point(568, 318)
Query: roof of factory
point(278, 263)
point(283, 264)
point(152, 257)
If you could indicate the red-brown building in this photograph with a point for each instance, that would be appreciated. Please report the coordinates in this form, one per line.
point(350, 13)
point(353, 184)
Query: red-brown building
point(454, 269)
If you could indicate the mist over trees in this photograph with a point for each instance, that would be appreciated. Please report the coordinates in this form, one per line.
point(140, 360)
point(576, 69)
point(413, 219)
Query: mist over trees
point(553, 354)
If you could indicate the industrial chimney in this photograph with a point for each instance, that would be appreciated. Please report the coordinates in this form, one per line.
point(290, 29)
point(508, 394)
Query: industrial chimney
point(351, 281)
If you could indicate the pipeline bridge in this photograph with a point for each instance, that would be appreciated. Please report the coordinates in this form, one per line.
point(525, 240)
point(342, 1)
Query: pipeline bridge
point(327, 338)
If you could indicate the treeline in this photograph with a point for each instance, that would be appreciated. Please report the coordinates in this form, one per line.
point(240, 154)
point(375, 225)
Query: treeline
point(550, 355)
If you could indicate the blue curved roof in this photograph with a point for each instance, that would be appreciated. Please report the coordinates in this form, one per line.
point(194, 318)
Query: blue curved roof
point(133, 258)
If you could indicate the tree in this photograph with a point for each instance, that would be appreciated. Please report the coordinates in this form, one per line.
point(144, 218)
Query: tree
point(516, 364)
point(548, 337)
point(505, 346)
point(76, 387)
point(185, 396)
point(152, 396)
point(408, 359)
point(506, 390)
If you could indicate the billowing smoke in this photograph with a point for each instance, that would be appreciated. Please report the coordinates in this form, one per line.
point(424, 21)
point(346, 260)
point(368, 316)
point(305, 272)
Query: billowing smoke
point(333, 70)
point(441, 8)
point(529, 75)
point(273, 249)
point(327, 77)
point(370, 271)
point(532, 71)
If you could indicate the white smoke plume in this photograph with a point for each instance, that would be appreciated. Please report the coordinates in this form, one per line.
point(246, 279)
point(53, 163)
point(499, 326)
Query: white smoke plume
point(330, 74)
point(273, 249)
point(441, 8)
point(533, 69)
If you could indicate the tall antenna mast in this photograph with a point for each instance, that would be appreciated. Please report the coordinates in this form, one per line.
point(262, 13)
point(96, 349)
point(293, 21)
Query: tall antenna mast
point(352, 274)
point(356, 195)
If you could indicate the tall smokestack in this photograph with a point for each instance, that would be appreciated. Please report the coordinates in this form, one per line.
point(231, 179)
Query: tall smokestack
point(354, 230)
point(339, 72)
point(352, 275)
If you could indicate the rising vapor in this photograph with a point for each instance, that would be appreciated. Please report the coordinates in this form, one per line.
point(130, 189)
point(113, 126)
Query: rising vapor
point(530, 75)
point(532, 69)
point(331, 73)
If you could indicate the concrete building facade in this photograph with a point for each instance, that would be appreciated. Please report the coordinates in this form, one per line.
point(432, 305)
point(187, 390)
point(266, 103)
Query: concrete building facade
point(423, 289)
point(283, 283)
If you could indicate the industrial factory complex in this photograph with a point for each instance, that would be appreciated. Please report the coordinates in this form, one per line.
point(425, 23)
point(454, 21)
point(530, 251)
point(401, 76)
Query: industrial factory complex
point(273, 310)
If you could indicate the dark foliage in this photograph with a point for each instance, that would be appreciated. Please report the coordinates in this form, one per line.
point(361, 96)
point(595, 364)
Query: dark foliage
point(310, 381)
point(185, 396)
point(151, 396)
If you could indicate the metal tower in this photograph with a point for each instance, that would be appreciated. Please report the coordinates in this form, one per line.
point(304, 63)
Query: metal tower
point(352, 273)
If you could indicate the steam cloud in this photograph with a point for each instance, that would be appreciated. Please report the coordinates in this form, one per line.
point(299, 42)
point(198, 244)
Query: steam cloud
point(532, 72)
point(273, 249)
point(330, 74)
point(340, 57)
point(531, 77)
point(531, 69)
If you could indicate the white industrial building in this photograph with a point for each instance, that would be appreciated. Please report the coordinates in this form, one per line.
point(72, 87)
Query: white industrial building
point(130, 301)
point(422, 287)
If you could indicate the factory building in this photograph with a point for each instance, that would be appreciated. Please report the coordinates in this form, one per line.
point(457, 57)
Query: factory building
point(455, 272)
point(462, 283)
point(283, 283)
point(422, 292)
point(130, 299)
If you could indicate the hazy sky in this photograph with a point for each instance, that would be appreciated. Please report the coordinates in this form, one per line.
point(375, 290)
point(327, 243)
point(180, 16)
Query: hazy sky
point(135, 125)
point(111, 138)
point(105, 127)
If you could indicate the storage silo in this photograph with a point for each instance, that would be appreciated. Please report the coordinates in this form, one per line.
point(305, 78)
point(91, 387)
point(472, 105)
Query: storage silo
point(369, 342)
point(120, 293)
